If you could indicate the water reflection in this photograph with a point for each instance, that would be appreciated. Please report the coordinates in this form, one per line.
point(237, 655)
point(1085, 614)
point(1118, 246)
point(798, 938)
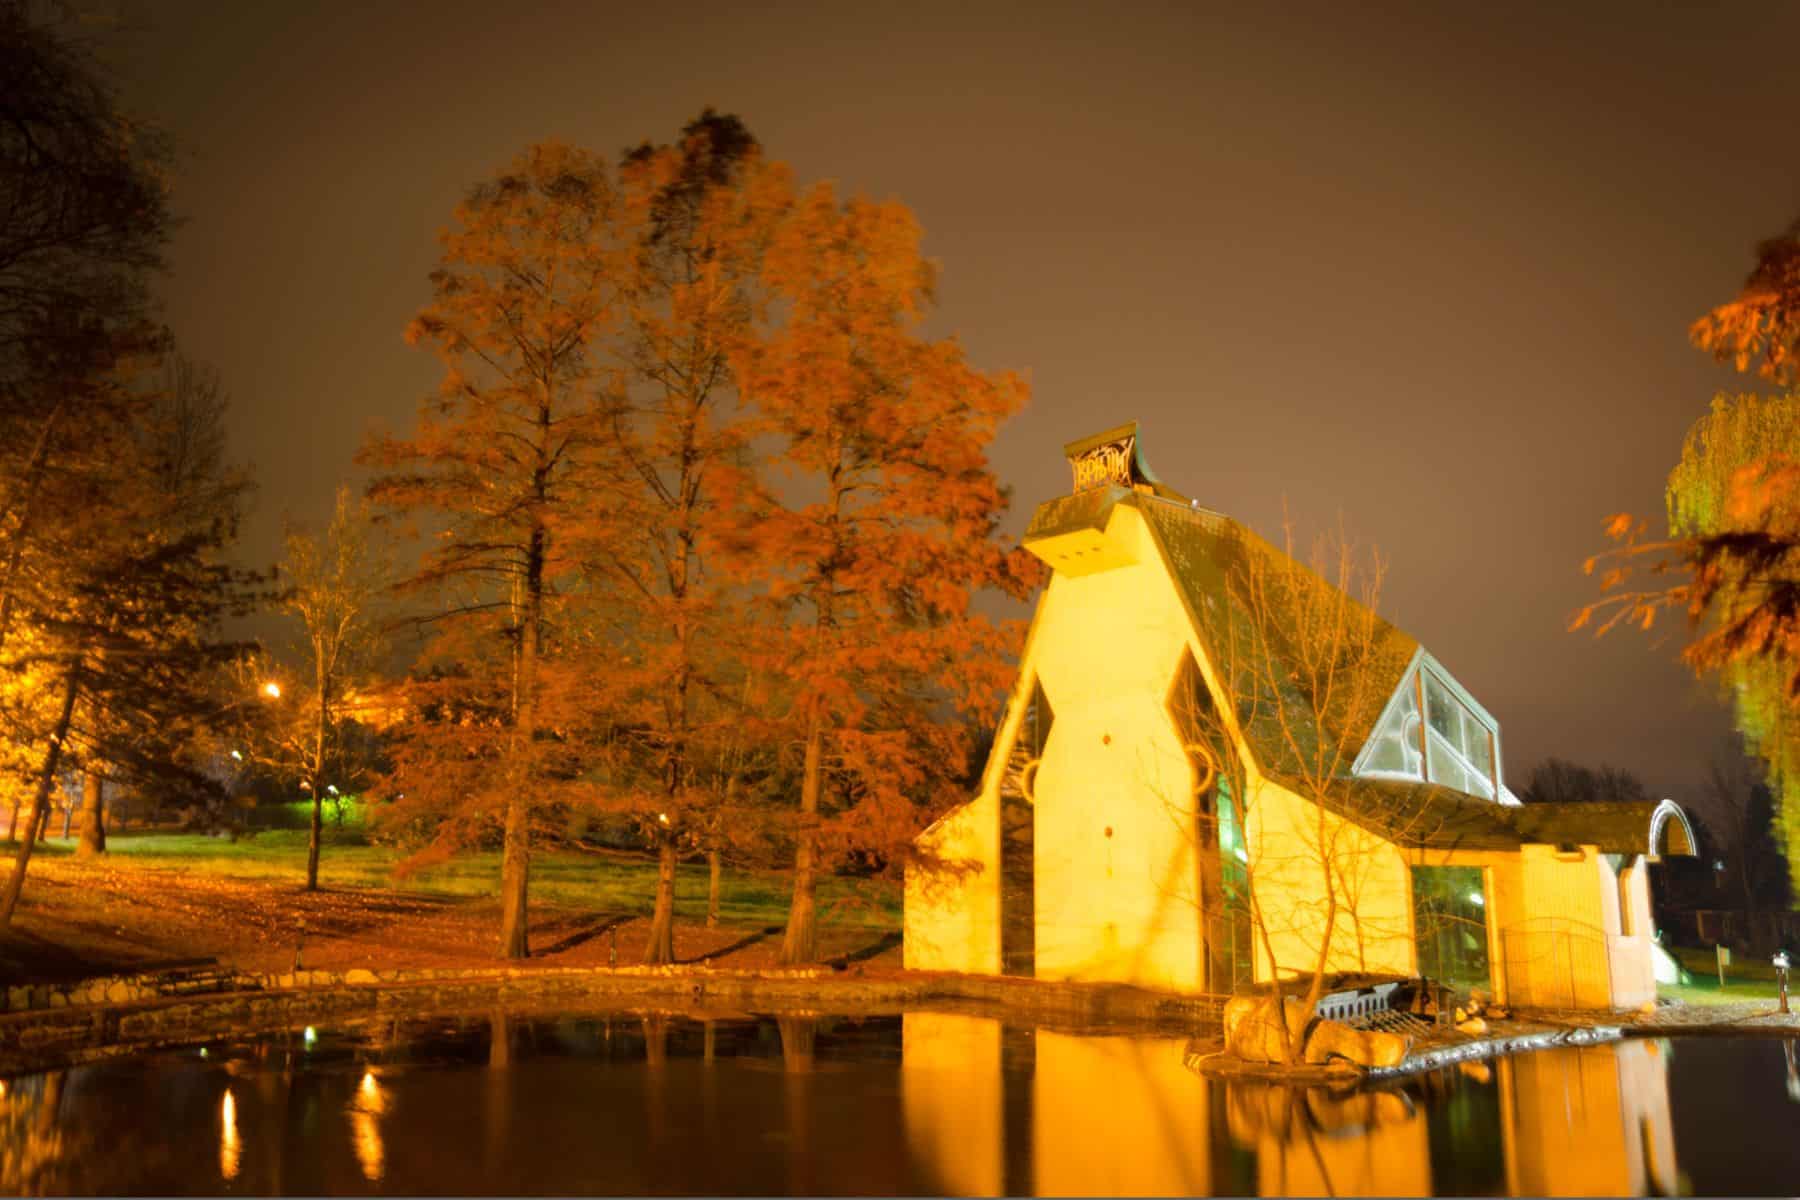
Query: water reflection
point(231, 1146)
point(365, 1121)
point(648, 1103)
point(1594, 1120)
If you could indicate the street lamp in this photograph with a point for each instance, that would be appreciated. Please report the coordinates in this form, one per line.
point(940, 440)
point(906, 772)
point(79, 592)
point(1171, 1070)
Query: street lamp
point(272, 690)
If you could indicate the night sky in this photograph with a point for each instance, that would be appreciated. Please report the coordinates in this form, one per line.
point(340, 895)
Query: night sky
point(1430, 267)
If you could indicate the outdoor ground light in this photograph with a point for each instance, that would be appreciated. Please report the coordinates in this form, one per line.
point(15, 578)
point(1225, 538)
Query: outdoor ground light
point(1781, 969)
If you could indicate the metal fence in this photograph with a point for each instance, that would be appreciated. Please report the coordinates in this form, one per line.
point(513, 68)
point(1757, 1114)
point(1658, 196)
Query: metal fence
point(1555, 962)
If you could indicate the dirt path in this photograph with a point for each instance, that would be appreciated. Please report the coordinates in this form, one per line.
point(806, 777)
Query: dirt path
point(77, 919)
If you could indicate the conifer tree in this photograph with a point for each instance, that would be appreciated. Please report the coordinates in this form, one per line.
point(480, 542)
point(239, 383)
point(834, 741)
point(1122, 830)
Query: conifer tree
point(669, 479)
point(881, 540)
point(530, 281)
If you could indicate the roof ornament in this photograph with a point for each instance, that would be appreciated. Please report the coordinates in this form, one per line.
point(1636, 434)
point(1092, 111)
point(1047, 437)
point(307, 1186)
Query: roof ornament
point(1113, 458)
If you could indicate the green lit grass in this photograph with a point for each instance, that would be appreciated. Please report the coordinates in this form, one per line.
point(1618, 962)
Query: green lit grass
point(1745, 979)
point(603, 881)
point(1708, 991)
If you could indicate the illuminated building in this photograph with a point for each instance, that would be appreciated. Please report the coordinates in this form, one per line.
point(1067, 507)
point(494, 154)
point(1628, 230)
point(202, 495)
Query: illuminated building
point(1106, 843)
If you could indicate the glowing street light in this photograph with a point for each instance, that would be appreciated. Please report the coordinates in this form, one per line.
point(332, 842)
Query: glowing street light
point(272, 690)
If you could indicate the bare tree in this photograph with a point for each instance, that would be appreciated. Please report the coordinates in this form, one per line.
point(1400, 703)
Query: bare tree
point(1297, 656)
point(1557, 781)
point(335, 578)
point(1741, 809)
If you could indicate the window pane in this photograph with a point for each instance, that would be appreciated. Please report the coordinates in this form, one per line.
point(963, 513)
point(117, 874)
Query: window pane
point(1442, 765)
point(1441, 709)
point(1450, 918)
point(1461, 754)
point(1388, 755)
point(1394, 747)
point(1480, 750)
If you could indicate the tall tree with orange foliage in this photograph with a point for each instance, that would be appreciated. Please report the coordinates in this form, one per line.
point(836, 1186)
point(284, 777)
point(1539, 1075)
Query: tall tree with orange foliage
point(531, 279)
point(880, 537)
point(671, 474)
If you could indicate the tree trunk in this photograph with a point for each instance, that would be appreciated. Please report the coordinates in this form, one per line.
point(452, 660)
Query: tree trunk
point(318, 780)
point(12, 826)
point(801, 942)
point(10, 899)
point(93, 814)
point(499, 1040)
point(712, 889)
point(68, 818)
point(515, 859)
point(1314, 990)
point(515, 872)
point(712, 851)
point(40, 451)
point(661, 948)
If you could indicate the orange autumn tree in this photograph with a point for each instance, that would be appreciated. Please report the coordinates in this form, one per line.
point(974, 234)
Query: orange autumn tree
point(879, 536)
point(529, 283)
point(668, 476)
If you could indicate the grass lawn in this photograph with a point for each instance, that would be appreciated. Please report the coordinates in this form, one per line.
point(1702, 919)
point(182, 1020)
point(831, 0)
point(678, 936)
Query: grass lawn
point(1745, 979)
point(606, 881)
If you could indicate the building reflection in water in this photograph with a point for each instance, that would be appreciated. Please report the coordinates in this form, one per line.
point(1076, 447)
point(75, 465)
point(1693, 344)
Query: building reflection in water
point(1118, 1115)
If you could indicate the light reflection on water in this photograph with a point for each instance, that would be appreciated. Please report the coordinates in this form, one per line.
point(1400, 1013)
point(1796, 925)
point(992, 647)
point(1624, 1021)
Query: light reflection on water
point(231, 1146)
point(926, 1103)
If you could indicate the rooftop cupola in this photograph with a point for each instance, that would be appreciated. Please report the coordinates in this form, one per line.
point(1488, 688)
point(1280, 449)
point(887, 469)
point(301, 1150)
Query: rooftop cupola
point(1114, 457)
point(1070, 533)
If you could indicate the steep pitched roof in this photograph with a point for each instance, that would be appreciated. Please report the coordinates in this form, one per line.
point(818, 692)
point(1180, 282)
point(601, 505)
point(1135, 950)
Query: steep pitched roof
point(1291, 741)
point(1203, 550)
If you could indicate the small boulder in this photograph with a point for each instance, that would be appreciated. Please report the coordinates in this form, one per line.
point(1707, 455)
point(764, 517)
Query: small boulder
point(360, 975)
point(1364, 1047)
point(1252, 1032)
point(1474, 1027)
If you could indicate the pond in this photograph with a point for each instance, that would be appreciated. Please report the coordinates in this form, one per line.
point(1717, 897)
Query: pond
point(928, 1102)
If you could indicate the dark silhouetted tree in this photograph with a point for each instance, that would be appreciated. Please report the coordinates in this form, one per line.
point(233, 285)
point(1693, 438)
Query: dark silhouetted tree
point(1558, 781)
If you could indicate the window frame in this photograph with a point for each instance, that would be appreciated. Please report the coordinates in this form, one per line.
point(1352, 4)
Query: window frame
point(1414, 682)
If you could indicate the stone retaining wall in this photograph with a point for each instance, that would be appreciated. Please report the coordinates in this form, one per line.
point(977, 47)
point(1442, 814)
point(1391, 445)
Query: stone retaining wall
point(61, 1023)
